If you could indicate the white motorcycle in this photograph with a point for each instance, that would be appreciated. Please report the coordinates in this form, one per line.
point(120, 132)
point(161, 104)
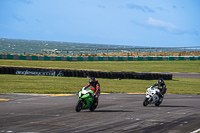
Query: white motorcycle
point(152, 97)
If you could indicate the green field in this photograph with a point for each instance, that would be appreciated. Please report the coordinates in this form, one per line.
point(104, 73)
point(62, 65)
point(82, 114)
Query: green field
point(47, 84)
point(134, 66)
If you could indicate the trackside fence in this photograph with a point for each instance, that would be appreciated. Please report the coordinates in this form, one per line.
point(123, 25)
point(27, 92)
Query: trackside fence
point(89, 52)
point(98, 58)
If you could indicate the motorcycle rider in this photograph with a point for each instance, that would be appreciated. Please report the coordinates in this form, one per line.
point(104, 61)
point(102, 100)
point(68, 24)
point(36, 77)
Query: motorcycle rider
point(161, 86)
point(94, 84)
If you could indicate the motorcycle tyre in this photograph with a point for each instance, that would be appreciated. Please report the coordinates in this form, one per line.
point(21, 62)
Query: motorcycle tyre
point(145, 102)
point(78, 106)
point(158, 103)
point(94, 106)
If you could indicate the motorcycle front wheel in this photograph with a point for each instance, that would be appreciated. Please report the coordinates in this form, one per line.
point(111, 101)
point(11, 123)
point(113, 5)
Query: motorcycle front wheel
point(145, 102)
point(78, 106)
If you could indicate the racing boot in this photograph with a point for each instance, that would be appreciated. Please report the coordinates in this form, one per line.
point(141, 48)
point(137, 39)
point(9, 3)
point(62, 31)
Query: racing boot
point(160, 96)
point(96, 99)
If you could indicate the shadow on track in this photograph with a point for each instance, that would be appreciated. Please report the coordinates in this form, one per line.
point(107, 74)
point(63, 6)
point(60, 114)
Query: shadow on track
point(112, 111)
point(167, 106)
point(175, 106)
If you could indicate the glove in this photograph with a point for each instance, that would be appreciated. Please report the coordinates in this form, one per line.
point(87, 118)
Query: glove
point(92, 95)
point(81, 89)
point(149, 87)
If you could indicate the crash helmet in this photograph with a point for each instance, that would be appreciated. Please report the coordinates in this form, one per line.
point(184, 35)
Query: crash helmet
point(92, 81)
point(160, 81)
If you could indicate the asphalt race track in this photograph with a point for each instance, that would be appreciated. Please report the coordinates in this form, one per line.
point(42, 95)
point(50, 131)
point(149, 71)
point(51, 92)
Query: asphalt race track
point(117, 113)
point(186, 75)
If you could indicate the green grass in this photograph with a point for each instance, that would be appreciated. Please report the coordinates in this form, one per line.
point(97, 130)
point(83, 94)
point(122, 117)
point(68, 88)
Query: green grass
point(47, 84)
point(55, 85)
point(134, 66)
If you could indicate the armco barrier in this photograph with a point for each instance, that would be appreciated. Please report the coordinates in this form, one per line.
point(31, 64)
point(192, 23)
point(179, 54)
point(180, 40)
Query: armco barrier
point(82, 73)
point(98, 58)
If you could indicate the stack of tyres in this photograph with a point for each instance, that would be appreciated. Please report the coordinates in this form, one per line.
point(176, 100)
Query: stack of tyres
point(85, 73)
point(78, 73)
point(67, 73)
point(7, 70)
point(3, 70)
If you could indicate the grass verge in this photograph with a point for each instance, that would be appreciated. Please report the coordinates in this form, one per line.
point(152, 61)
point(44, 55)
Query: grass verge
point(134, 66)
point(58, 85)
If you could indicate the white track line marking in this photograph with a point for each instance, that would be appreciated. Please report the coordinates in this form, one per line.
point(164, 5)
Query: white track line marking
point(196, 131)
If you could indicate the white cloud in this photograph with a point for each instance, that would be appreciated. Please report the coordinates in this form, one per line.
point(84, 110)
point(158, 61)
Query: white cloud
point(138, 7)
point(168, 27)
point(162, 24)
point(18, 18)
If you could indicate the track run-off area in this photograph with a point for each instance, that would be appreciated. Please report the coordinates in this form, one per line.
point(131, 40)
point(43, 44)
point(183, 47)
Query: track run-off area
point(116, 112)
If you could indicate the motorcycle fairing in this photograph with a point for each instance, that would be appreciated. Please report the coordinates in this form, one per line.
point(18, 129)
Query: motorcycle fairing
point(85, 95)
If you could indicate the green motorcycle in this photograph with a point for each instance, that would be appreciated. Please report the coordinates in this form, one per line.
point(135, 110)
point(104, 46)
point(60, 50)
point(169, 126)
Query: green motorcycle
point(85, 100)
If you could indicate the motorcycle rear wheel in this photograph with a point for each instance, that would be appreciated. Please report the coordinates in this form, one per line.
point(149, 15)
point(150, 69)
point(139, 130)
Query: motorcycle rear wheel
point(78, 106)
point(94, 106)
point(159, 102)
point(145, 102)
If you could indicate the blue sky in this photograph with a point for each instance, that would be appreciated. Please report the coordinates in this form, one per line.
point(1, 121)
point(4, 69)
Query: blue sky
point(161, 23)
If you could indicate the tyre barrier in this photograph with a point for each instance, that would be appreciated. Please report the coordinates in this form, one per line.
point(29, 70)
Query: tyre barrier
point(83, 73)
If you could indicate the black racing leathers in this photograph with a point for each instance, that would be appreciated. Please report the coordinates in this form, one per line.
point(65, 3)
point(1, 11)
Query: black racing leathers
point(161, 87)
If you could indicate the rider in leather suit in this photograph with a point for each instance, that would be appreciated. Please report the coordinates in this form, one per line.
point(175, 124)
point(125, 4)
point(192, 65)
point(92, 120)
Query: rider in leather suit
point(161, 86)
point(94, 84)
